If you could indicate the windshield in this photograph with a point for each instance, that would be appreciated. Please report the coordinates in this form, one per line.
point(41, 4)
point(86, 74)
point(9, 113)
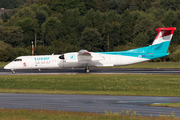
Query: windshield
point(18, 60)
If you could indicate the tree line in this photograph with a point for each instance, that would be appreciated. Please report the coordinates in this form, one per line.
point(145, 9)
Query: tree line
point(95, 25)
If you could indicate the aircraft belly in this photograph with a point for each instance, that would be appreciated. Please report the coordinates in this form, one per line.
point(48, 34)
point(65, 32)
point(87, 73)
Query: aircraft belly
point(126, 60)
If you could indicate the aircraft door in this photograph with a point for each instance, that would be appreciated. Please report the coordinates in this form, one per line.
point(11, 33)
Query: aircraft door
point(62, 61)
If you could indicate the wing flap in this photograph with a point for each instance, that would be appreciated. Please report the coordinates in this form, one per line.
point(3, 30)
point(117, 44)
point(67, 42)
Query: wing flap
point(104, 65)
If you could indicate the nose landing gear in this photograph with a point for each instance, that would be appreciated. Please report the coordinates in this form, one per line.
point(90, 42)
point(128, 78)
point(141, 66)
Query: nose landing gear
point(13, 71)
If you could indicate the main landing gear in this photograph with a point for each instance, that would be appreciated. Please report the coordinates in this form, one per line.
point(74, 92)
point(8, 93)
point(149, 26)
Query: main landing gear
point(87, 70)
point(86, 67)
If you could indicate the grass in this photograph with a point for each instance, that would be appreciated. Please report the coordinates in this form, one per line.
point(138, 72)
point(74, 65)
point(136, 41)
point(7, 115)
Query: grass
point(20, 114)
point(166, 104)
point(153, 65)
point(2, 64)
point(127, 84)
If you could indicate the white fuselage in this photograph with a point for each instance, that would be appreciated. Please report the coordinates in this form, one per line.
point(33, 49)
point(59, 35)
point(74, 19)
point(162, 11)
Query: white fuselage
point(71, 60)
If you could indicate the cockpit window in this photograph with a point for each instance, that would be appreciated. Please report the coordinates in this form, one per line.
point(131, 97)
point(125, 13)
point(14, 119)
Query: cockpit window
point(18, 60)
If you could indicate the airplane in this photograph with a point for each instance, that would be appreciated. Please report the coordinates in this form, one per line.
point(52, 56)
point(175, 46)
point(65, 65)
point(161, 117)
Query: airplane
point(87, 59)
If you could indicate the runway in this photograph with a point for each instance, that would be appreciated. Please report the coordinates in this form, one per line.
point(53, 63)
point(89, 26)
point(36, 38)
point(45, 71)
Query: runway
point(93, 71)
point(89, 103)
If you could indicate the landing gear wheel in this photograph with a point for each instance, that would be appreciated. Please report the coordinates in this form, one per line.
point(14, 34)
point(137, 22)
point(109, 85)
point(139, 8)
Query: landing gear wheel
point(13, 71)
point(87, 70)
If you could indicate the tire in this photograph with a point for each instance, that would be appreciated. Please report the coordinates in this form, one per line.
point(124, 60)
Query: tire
point(87, 70)
point(13, 72)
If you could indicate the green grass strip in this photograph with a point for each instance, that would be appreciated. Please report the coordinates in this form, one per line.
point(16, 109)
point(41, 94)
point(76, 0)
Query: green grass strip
point(156, 65)
point(166, 104)
point(2, 64)
point(126, 84)
point(22, 114)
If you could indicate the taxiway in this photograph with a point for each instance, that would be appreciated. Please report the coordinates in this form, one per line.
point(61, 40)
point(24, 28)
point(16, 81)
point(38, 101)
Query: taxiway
point(89, 103)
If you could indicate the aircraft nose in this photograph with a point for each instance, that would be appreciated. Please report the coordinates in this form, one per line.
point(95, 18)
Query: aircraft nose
point(7, 66)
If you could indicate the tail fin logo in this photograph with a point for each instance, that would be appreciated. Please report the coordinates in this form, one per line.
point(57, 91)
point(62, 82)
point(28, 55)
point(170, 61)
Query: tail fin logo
point(164, 34)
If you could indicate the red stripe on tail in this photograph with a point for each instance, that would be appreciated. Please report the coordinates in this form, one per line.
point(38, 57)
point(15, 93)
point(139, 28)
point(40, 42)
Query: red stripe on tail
point(162, 32)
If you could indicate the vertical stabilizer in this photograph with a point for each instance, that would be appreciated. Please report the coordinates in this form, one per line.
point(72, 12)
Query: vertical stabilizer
point(162, 40)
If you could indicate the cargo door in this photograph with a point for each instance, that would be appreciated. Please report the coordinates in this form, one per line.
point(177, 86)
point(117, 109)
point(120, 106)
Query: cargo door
point(62, 61)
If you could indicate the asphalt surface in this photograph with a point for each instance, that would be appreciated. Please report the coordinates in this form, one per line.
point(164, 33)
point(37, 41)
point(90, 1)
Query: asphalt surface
point(89, 103)
point(93, 71)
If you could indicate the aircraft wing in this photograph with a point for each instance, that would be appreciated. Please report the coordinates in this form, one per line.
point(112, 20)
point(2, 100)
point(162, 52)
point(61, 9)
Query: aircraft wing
point(84, 56)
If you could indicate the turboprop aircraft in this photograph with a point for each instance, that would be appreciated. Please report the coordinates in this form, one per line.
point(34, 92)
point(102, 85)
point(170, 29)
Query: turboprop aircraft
point(87, 59)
